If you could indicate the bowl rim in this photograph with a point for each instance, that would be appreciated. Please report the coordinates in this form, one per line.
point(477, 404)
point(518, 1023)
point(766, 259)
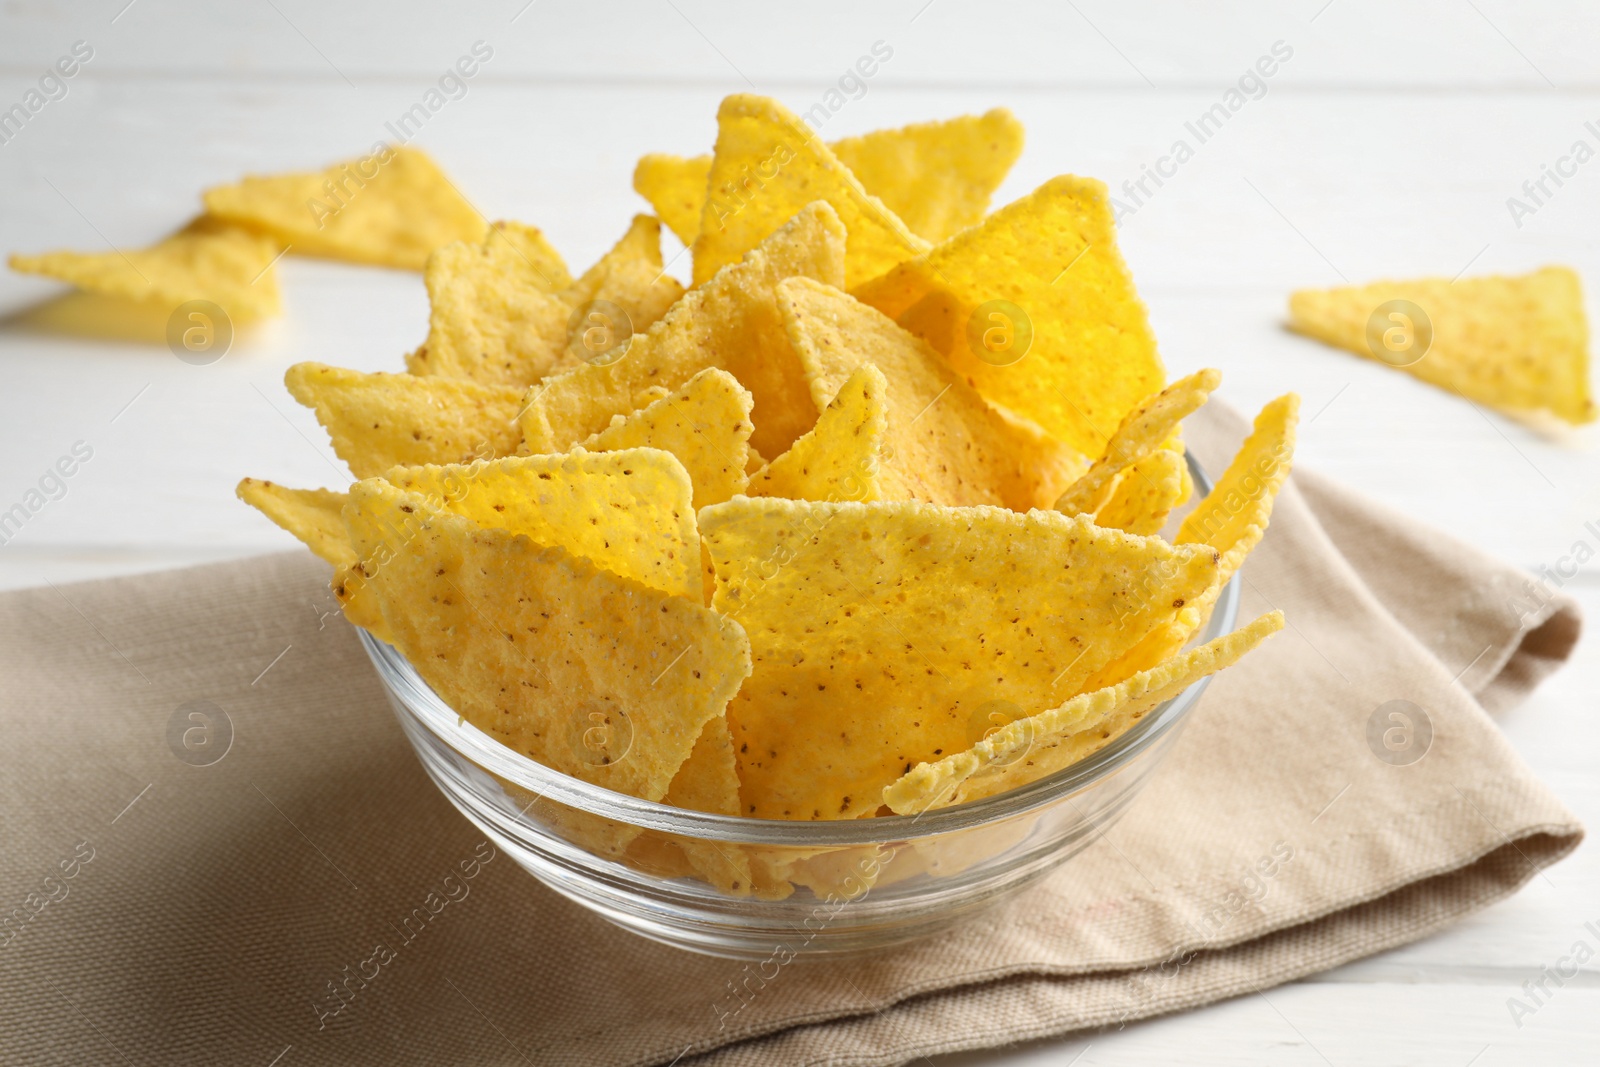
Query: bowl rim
point(410, 692)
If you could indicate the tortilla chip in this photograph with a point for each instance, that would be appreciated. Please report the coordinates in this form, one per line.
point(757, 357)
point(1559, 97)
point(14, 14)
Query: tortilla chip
point(767, 166)
point(936, 176)
point(706, 424)
point(840, 458)
point(494, 314)
point(1141, 432)
point(1232, 519)
point(1518, 343)
point(630, 276)
point(378, 421)
point(587, 672)
point(731, 322)
point(391, 209)
point(1145, 494)
point(627, 511)
point(1053, 255)
point(315, 516)
point(878, 630)
point(707, 781)
point(944, 444)
point(676, 188)
point(1032, 748)
point(206, 260)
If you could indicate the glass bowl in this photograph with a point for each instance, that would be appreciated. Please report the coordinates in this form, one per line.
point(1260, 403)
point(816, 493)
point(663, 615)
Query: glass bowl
point(771, 890)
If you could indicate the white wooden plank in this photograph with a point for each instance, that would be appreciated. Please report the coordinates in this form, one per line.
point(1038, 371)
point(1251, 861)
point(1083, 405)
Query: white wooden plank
point(1022, 42)
point(1322, 1024)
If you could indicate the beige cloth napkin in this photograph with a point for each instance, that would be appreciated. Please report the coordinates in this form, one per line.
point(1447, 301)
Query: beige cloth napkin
point(165, 911)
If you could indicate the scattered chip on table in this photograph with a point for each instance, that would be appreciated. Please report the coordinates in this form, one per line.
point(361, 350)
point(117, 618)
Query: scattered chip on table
point(391, 209)
point(208, 259)
point(1519, 343)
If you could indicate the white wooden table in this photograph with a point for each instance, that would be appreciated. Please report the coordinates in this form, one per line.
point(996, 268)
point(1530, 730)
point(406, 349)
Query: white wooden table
point(1386, 145)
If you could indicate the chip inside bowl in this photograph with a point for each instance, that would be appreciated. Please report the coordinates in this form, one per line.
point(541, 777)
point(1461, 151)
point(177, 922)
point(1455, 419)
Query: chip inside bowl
point(859, 525)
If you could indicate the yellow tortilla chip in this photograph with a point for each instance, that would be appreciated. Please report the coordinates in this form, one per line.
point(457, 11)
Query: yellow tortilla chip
point(944, 444)
point(731, 322)
point(1028, 749)
point(206, 260)
point(676, 188)
point(627, 511)
point(631, 277)
point(1145, 494)
point(709, 781)
point(391, 208)
point(378, 421)
point(936, 176)
point(315, 516)
point(767, 166)
point(879, 630)
point(840, 457)
point(1518, 343)
point(1232, 519)
point(1140, 433)
point(590, 673)
point(706, 424)
point(494, 315)
point(1036, 309)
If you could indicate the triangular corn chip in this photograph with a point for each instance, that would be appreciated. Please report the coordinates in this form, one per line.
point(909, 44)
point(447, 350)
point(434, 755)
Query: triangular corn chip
point(936, 176)
point(1231, 519)
point(1519, 343)
point(1028, 749)
point(767, 166)
point(1046, 265)
point(589, 673)
point(315, 516)
point(879, 630)
point(391, 209)
point(705, 423)
point(1145, 494)
point(631, 277)
point(731, 322)
point(493, 313)
point(707, 781)
point(945, 444)
point(676, 188)
point(1140, 433)
point(840, 457)
point(206, 260)
point(627, 511)
point(378, 421)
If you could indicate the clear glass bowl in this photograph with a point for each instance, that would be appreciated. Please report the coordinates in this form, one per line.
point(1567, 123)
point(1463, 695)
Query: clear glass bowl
point(761, 889)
